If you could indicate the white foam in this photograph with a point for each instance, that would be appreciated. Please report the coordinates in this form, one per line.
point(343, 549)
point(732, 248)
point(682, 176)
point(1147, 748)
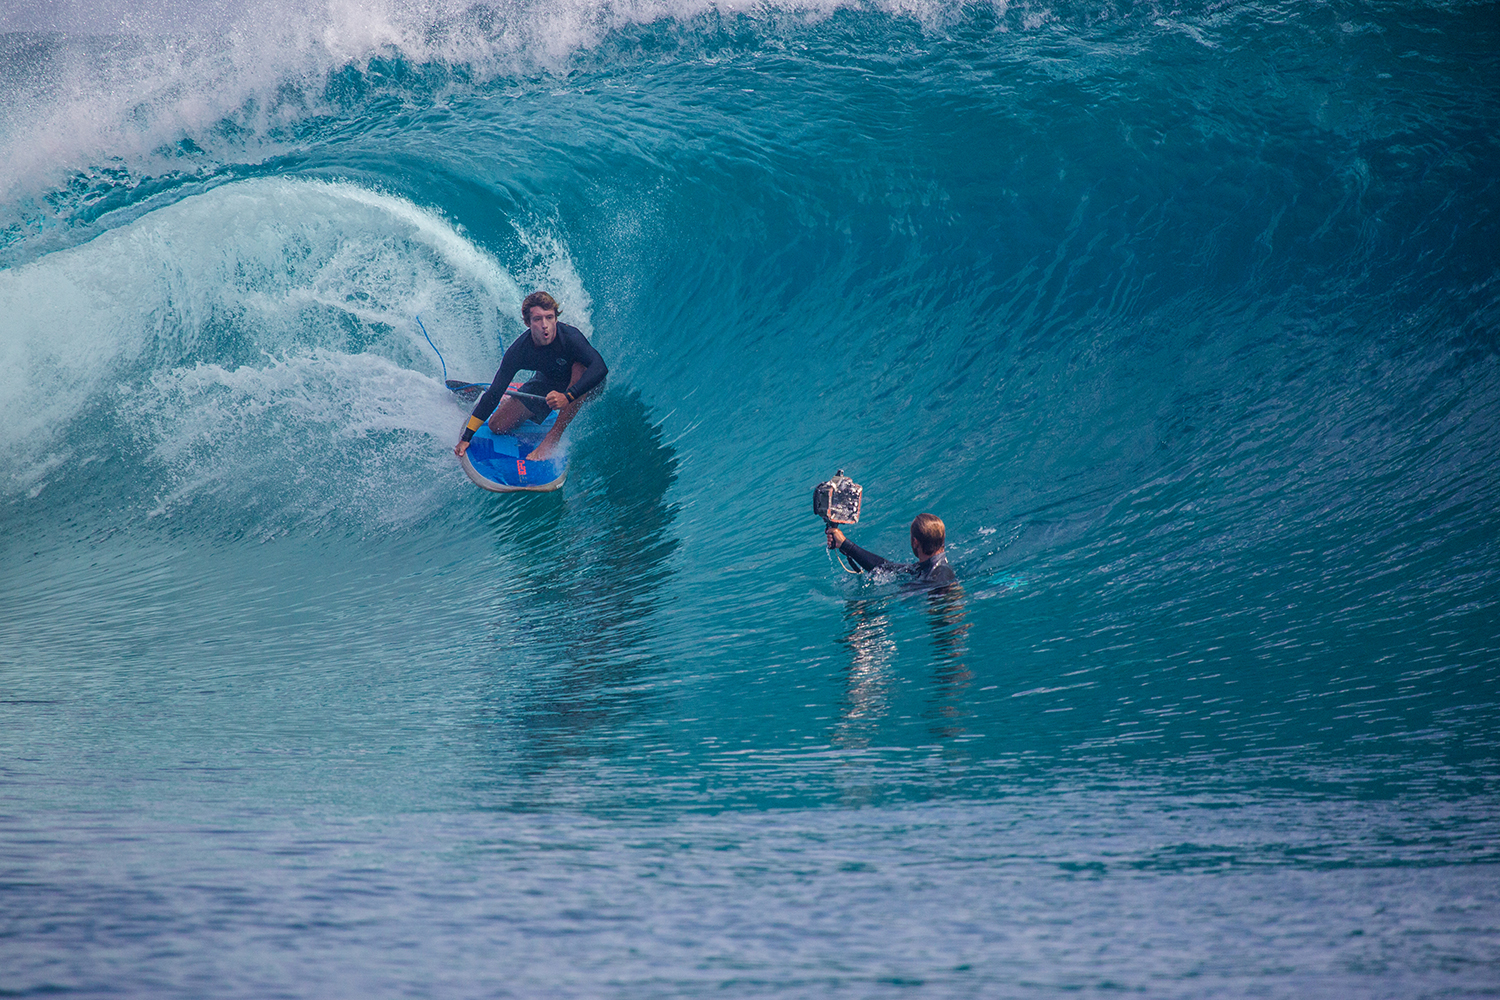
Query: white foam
point(126, 81)
point(300, 438)
point(275, 311)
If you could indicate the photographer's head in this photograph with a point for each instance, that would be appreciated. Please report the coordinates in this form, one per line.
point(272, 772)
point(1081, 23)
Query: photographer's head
point(927, 536)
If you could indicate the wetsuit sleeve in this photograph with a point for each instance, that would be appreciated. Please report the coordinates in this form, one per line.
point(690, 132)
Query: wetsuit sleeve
point(865, 559)
point(509, 365)
point(579, 349)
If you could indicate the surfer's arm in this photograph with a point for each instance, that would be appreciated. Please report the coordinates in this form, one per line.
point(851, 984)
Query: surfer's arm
point(593, 374)
point(490, 399)
point(482, 410)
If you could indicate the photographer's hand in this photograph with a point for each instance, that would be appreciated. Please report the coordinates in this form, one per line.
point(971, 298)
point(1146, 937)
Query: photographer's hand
point(835, 537)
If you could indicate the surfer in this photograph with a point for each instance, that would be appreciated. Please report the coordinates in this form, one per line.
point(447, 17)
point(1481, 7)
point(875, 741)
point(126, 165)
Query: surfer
point(928, 536)
point(566, 365)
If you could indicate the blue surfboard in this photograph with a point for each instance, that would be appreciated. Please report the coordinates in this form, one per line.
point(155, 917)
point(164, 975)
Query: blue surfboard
point(499, 462)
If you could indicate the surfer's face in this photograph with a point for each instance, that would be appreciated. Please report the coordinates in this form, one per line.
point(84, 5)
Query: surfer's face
point(543, 325)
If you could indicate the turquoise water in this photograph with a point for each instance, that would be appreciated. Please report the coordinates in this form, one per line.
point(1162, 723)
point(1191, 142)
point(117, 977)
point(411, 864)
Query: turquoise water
point(1183, 317)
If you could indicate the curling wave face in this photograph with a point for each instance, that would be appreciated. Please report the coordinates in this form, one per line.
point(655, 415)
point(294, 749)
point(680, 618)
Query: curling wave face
point(1054, 275)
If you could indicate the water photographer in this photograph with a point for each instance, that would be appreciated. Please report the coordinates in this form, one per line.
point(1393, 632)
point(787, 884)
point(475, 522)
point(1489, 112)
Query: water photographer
point(838, 501)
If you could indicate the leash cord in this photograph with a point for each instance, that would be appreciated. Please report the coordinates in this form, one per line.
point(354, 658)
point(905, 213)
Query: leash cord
point(434, 349)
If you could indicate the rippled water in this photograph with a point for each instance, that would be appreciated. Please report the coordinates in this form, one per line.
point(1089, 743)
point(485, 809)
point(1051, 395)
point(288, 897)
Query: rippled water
point(1183, 319)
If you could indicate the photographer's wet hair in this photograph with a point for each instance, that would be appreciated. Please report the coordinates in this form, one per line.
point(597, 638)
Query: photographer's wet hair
point(929, 532)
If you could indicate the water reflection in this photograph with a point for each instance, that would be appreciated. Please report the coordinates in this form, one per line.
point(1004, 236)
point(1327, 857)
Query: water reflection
point(947, 616)
point(574, 618)
point(870, 677)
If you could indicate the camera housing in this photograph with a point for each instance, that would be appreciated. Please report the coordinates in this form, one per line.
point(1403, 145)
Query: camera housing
point(837, 501)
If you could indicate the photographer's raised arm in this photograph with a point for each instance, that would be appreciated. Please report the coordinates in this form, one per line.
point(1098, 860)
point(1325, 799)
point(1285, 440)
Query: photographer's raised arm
point(928, 544)
point(862, 558)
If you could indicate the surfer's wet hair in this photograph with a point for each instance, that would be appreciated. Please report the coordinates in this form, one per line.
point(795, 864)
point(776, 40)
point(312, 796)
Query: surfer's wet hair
point(538, 299)
point(929, 532)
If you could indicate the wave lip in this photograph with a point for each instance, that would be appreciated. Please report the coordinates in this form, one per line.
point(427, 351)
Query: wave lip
point(89, 92)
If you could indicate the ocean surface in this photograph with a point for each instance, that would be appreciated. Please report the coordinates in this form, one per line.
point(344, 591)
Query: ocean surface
point(1185, 317)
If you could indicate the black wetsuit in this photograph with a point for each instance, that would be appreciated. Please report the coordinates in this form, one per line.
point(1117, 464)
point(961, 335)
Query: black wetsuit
point(933, 571)
point(553, 365)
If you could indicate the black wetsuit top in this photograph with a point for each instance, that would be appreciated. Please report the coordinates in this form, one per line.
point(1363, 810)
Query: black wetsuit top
point(933, 571)
point(553, 365)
